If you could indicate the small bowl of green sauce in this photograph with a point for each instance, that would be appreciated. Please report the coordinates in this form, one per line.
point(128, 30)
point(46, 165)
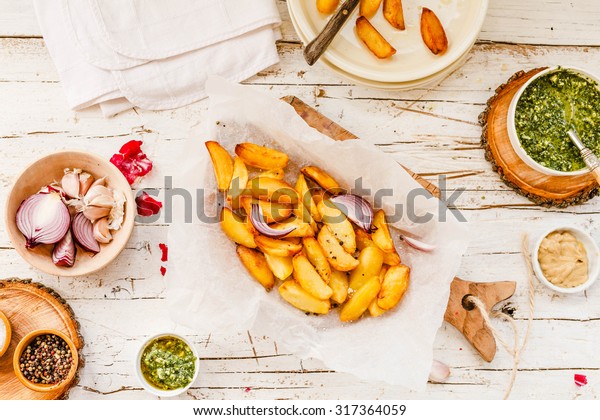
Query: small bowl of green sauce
point(167, 365)
point(544, 109)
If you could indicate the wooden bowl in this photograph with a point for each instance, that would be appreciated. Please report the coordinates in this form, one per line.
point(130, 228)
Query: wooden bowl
point(50, 169)
point(39, 387)
point(6, 324)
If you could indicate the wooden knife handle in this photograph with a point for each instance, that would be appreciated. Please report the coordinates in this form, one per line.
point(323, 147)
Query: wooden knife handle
point(317, 46)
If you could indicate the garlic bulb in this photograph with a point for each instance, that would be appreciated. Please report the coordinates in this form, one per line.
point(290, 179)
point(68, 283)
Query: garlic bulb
point(117, 213)
point(101, 231)
point(97, 202)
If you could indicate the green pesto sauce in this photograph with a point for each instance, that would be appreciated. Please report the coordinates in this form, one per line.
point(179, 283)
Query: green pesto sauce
point(548, 108)
point(168, 363)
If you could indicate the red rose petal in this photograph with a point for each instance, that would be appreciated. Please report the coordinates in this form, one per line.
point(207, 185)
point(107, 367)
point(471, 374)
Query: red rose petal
point(165, 252)
point(132, 162)
point(146, 205)
point(580, 380)
point(163, 270)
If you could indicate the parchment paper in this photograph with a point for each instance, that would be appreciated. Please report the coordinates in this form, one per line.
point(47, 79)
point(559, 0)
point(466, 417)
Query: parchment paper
point(210, 290)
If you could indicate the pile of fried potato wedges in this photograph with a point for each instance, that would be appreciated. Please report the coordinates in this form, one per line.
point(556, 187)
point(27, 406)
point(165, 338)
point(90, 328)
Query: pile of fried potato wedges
point(299, 236)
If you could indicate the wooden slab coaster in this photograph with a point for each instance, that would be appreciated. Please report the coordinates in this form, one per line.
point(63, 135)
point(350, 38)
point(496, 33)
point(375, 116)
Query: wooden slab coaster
point(28, 307)
point(546, 190)
point(468, 320)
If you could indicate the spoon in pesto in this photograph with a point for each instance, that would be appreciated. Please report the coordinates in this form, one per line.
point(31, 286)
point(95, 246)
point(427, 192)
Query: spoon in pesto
point(590, 159)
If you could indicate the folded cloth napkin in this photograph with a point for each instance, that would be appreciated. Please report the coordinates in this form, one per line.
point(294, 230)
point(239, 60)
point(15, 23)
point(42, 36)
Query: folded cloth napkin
point(151, 53)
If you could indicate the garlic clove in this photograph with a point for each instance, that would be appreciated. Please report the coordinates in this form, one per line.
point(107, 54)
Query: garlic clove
point(102, 200)
point(96, 191)
point(100, 181)
point(117, 213)
point(70, 182)
point(101, 231)
point(85, 182)
point(439, 372)
point(94, 213)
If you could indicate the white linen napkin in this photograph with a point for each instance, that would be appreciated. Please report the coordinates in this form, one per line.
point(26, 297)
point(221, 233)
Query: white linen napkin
point(151, 53)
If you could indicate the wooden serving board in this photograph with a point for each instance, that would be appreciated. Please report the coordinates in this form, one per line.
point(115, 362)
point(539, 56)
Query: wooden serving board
point(547, 190)
point(32, 306)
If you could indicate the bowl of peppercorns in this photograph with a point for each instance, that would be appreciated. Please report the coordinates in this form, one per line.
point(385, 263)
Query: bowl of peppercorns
point(45, 360)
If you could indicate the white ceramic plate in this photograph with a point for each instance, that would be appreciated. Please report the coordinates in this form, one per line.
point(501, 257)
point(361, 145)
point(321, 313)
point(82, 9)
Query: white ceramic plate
point(413, 84)
point(462, 20)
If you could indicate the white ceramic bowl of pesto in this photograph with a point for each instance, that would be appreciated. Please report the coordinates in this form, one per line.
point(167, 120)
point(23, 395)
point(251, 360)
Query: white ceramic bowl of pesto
point(512, 131)
point(593, 257)
point(151, 388)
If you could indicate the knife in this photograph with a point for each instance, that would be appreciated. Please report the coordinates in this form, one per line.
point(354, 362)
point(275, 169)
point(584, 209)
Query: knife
point(316, 47)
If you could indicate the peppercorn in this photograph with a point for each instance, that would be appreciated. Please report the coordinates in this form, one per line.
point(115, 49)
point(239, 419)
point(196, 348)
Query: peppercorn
point(47, 360)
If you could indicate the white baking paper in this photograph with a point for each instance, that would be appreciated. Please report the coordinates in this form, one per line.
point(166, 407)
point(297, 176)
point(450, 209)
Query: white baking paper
point(210, 290)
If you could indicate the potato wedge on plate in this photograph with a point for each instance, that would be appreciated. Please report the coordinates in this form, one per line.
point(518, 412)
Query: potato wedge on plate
point(316, 256)
point(296, 296)
point(336, 255)
point(432, 32)
point(338, 281)
point(368, 8)
point(363, 240)
point(261, 157)
point(375, 310)
point(274, 173)
point(370, 261)
point(302, 229)
point(382, 236)
point(393, 13)
point(394, 286)
point(374, 41)
point(256, 264)
point(281, 267)
point(359, 302)
point(239, 179)
point(339, 225)
point(307, 277)
point(236, 228)
point(327, 6)
point(222, 164)
point(272, 212)
point(272, 189)
point(306, 199)
point(322, 178)
point(277, 247)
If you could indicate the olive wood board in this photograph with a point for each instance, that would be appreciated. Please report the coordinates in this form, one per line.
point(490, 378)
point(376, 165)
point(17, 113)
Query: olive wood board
point(468, 322)
point(542, 189)
point(28, 307)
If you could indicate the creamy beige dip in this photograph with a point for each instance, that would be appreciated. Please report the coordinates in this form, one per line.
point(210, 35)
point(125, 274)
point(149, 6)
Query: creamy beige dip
point(563, 259)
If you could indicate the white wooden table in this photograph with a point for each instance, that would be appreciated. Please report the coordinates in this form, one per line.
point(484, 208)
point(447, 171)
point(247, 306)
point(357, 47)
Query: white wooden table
point(432, 131)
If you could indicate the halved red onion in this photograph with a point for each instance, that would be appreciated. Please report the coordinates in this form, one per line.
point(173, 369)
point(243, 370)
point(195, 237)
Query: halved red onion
point(64, 252)
point(356, 208)
point(258, 221)
point(43, 218)
point(83, 230)
point(414, 243)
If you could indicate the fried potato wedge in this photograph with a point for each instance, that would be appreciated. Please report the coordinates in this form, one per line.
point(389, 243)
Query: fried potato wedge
point(316, 256)
point(302, 229)
point(307, 277)
point(375, 310)
point(382, 236)
point(222, 164)
point(274, 173)
point(277, 247)
point(261, 157)
point(256, 264)
point(363, 240)
point(236, 228)
point(394, 286)
point(295, 295)
point(327, 6)
point(368, 8)
point(306, 198)
point(272, 189)
point(433, 33)
point(338, 281)
point(336, 255)
point(319, 195)
point(374, 41)
point(393, 13)
point(322, 178)
point(272, 212)
point(370, 261)
point(339, 225)
point(239, 179)
point(359, 302)
point(281, 267)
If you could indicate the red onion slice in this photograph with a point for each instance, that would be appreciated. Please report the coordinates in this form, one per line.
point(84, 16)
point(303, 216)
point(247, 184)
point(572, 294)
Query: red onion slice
point(416, 244)
point(83, 230)
point(43, 218)
point(356, 208)
point(258, 221)
point(64, 252)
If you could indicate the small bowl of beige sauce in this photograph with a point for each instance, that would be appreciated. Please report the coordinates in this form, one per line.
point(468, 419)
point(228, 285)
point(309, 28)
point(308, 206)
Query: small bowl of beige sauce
point(566, 259)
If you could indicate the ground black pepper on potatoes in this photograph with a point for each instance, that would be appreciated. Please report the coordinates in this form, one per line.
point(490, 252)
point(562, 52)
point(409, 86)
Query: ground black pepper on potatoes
point(46, 360)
